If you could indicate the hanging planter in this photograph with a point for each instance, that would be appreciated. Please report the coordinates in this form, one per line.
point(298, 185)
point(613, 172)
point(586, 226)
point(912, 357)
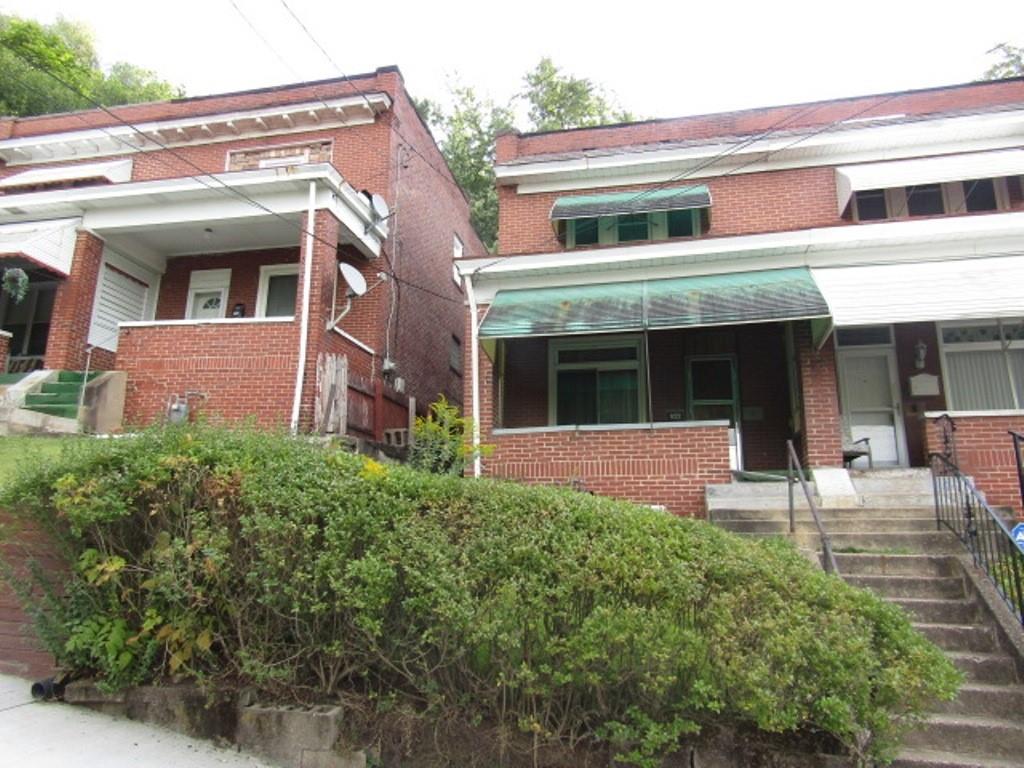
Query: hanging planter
point(15, 283)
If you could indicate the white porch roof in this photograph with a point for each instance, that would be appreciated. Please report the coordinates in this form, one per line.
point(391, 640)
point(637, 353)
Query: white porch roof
point(114, 171)
point(50, 244)
point(962, 289)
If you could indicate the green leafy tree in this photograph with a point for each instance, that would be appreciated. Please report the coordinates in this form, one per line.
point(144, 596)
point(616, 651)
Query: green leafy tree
point(1011, 63)
point(558, 101)
point(28, 50)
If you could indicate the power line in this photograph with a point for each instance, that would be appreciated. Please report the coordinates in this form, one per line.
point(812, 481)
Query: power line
point(224, 187)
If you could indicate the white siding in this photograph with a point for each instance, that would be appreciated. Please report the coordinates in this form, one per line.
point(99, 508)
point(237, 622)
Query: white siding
point(119, 298)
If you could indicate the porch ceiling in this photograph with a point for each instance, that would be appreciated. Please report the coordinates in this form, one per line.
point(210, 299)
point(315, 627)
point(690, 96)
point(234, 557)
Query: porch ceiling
point(214, 236)
point(727, 299)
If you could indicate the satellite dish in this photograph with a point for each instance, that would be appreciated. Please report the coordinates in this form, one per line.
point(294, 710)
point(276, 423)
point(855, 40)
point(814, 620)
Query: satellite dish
point(380, 207)
point(351, 275)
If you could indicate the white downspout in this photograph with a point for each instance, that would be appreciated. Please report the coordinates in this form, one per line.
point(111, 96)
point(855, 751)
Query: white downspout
point(474, 366)
point(307, 279)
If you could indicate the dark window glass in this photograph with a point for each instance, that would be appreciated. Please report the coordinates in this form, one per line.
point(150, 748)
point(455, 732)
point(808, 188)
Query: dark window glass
point(866, 335)
point(980, 195)
point(577, 397)
point(633, 227)
point(925, 200)
point(596, 355)
point(680, 224)
point(281, 295)
point(617, 397)
point(598, 397)
point(711, 379)
point(586, 231)
point(871, 205)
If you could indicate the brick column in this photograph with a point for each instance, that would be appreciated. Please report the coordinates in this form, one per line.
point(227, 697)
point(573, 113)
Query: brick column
point(325, 258)
point(5, 350)
point(486, 381)
point(822, 425)
point(72, 307)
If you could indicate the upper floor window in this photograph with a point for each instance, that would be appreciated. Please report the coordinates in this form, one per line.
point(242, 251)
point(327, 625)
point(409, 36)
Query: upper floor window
point(925, 200)
point(632, 216)
point(971, 196)
point(980, 195)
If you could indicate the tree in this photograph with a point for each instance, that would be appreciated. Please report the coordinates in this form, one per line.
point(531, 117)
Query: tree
point(1011, 64)
point(560, 101)
point(29, 50)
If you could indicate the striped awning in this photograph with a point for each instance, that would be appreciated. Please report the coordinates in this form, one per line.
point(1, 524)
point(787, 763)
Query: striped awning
point(684, 302)
point(623, 203)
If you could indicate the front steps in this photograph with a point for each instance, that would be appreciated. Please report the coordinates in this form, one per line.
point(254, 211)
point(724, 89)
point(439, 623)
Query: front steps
point(60, 397)
point(890, 545)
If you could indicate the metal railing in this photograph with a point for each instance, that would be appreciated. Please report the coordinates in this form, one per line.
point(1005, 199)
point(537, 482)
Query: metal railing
point(960, 508)
point(794, 475)
point(1018, 445)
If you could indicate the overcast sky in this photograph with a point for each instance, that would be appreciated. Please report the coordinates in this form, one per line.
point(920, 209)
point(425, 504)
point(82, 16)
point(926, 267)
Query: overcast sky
point(656, 59)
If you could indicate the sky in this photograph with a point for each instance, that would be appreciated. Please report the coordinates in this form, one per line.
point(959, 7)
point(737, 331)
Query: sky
point(656, 59)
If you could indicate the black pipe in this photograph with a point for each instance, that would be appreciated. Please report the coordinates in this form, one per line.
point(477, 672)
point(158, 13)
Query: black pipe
point(48, 689)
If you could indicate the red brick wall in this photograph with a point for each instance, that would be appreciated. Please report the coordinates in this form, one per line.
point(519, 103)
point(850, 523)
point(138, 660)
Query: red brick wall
point(245, 370)
point(775, 201)
point(752, 121)
point(985, 452)
point(667, 466)
point(5, 350)
point(822, 426)
point(72, 307)
point(245, 277)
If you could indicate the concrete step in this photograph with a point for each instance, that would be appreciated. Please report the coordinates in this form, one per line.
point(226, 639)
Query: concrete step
point(964, 734)
point(835, 525)
point(726, 515)
point(1006, 701)
point(883, 500)
point(940, 587)
point(930, 611)
point(993, 668)
point(934, 542)
point(959, 637)
point(927, 758)
point(896, 565)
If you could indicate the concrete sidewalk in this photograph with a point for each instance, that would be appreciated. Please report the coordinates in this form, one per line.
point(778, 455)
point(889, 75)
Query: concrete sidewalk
point(53, 734)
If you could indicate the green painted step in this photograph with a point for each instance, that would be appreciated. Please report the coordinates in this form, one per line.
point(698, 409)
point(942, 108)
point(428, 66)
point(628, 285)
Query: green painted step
point(44, 398)
point(61, 387)
point(11, 378)
point(64, 411)
point(66, 377)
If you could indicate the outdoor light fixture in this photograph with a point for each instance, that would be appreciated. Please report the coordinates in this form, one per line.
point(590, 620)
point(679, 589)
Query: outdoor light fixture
point(920, 354)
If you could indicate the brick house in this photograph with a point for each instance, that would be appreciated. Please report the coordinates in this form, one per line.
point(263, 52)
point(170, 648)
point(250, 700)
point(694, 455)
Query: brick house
point(675, 299)
point(195, 245)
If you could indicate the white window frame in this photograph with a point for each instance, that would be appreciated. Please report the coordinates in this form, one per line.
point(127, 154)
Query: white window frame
point(458, 250)
point(556, 345)
point(208, 281)
point(268, 271)
point(979, 346)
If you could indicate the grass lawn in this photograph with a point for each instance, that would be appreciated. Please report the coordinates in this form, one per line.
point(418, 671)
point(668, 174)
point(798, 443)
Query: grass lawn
point(17, 451)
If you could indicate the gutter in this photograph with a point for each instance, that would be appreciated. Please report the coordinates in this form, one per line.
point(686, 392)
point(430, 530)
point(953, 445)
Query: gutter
point(474, 356)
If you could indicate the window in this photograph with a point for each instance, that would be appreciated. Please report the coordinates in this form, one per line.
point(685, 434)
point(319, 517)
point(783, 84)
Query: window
point(279, 284)
point(635, 226)
point(596, 381)
point(863, 336)
point(681, 223)
point(455, 354)
point(585, 231)
point(925, 200)
point(207, 294)
point(712, 391)
point(871, 205)
point(980, 195)
point(984, 365)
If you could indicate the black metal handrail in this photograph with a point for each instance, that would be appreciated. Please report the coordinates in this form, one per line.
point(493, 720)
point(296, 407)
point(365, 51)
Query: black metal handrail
point(960, 508)
point(1018, 442)
point(795, 474)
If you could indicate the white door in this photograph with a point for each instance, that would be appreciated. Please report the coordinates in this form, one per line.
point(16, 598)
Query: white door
point(207, 305)
point(871, 404)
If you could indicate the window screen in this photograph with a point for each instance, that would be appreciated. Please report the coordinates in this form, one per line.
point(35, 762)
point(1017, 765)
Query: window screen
point(281, 291)
point(585, 231)
point(680, 223)
point(633, 227)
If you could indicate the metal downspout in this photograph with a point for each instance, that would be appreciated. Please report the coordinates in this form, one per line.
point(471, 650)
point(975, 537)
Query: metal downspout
point(474, 357)
point(307, 278)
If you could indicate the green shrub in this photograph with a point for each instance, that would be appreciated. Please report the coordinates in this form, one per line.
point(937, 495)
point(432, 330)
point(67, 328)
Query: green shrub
point(440, 440)
point(254, 559)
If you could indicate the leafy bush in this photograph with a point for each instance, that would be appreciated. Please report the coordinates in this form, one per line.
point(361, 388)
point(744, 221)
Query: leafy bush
point(240, 558)
point(439, 440)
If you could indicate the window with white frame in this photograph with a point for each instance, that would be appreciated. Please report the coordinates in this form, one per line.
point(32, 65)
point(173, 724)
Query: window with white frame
point(968, 196)
point(596, 381)
point(278, 288)
point(207, 294)
point(984, 364)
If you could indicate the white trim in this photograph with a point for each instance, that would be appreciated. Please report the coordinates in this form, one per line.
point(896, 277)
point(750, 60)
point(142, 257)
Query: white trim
point(114, 171)
point(973, 414)
point(850, 144)
point(268, 271)
point(345, 335)
point(648, 425)
point(207, 321)
point(307, 256)
point(204, 129)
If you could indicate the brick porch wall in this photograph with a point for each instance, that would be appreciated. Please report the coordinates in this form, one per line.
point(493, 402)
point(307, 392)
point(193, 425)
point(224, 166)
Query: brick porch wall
point(985, 452)
point(822, 444)
point(72, 308)
point(5, 350)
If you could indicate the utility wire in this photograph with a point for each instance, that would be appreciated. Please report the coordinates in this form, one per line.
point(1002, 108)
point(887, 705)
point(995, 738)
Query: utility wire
point(223, 188)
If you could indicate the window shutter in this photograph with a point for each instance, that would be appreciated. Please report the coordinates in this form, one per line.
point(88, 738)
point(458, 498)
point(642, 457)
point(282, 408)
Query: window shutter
point(120, 299)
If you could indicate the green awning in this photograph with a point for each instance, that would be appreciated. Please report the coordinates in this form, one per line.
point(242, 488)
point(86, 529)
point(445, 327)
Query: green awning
point(683, 302)
point(619, 203)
